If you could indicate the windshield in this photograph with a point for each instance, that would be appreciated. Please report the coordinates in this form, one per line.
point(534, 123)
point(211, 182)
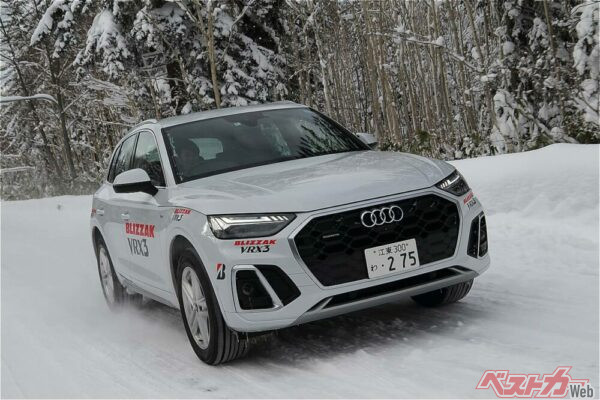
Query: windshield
point(212, 146)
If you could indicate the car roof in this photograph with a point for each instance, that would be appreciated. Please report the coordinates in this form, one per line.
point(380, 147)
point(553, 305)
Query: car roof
point(222, 112)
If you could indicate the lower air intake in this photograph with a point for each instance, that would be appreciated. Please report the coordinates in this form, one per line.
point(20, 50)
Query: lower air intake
point(251, 293)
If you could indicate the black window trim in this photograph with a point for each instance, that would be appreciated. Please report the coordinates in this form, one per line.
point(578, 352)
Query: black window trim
point(117, 152)
point(157, 149)
point(111, 164)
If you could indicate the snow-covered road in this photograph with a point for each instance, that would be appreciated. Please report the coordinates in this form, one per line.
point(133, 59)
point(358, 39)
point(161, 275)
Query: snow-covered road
point(535, 309)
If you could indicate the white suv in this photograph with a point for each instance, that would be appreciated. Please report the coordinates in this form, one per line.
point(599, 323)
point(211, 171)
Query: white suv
point(257, 218)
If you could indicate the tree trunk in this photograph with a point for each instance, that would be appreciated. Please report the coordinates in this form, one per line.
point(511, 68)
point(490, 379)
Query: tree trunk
point(54, 68)
point(49, 154)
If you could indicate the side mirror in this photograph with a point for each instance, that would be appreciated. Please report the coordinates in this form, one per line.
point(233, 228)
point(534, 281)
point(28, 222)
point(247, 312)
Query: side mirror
point(369, 139)
point(134, 180)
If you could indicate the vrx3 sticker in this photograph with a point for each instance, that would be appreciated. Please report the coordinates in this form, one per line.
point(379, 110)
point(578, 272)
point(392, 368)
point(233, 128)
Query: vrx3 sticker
point(469, 200)
point(138, 247)
point(220, 271)
point(255, 245)
point(179, 213)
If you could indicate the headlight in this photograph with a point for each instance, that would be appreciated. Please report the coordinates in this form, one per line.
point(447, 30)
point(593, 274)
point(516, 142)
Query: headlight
point(245, 226)
point(455, 184)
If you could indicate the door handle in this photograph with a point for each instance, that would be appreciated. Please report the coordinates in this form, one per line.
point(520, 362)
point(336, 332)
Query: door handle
point(100, 211)
point(125, 216)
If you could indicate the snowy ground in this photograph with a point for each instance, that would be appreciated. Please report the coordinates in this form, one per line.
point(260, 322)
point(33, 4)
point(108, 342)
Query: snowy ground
point(535, 309)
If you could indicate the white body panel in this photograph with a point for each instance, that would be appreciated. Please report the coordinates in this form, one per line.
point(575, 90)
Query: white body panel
point(307, 187)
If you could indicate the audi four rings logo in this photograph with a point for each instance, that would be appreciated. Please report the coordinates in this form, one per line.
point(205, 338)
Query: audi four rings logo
point(381, 216)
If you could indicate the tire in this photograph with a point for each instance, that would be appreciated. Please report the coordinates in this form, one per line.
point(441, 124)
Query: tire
point(114, 293)
point(447, 295)
point(212, 340)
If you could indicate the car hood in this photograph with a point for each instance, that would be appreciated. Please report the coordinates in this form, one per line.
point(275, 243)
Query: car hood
point(311, 183)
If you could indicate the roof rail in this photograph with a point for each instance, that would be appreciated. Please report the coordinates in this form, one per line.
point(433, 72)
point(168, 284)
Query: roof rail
point(146, 121)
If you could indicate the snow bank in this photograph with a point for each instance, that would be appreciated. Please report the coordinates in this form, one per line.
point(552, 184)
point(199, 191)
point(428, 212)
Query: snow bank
point(536, 308)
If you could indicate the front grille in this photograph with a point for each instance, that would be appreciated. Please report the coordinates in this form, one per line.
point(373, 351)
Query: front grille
point(332, 246)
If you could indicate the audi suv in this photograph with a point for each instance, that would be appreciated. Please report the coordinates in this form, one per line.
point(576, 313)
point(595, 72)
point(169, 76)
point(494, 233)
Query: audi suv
point(256, 218)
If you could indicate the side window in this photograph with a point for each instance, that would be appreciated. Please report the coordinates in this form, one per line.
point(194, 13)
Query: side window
point(147, 158)
point(124, 158)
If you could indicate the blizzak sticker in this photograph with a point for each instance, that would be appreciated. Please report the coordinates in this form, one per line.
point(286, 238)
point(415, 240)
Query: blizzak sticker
point(255, 245)
point(179, 213)
point(220, 271)
point(145, 230)
point(469, 200)
point(555, 385)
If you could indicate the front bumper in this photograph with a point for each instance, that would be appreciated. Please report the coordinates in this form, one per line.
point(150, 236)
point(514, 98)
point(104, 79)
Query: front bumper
point(316, 300)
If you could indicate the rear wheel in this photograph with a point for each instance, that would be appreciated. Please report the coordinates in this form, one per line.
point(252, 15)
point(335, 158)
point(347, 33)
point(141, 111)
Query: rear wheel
point(447, 295)
point(210, 337)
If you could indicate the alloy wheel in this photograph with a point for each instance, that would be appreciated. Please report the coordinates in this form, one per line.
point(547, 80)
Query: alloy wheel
point(195, 307)
point(106, 275)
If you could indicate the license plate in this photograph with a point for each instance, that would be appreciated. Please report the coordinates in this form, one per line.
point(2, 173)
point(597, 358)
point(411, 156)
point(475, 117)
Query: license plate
point(393, 258)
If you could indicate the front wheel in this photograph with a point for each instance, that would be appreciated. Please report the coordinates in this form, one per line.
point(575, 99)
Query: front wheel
point(114, 293)
point(210, 337)
point(447, 295)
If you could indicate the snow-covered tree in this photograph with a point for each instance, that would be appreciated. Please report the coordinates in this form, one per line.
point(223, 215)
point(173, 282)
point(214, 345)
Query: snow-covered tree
point(586, 60)
point(189, 55)
point(447, 79)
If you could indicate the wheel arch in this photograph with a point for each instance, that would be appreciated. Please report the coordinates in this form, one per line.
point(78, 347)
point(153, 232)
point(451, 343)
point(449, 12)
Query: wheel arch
point(181, 238)
point(178, 244)
point(96, 234)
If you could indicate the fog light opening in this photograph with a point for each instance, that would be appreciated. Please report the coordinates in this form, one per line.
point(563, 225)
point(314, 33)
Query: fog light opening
point(251, 294)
